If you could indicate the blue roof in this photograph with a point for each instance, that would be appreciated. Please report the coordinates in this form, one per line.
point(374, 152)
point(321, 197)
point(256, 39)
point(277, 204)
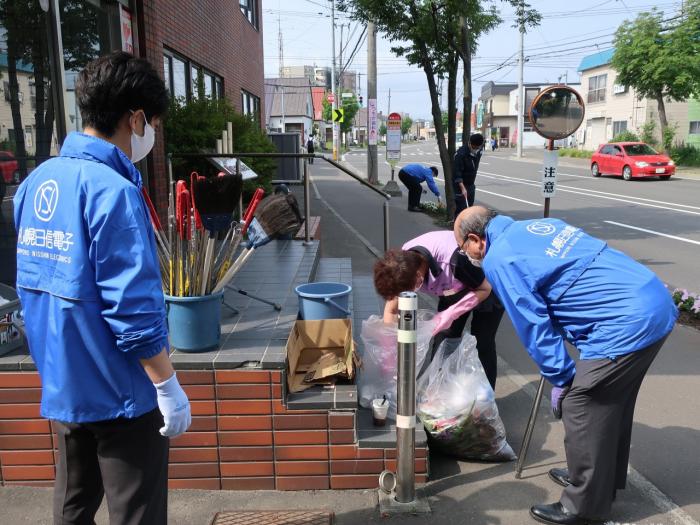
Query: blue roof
point(598, 59)
point(21, 66)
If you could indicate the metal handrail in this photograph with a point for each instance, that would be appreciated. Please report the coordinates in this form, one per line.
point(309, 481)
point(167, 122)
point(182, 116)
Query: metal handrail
point(305, 156)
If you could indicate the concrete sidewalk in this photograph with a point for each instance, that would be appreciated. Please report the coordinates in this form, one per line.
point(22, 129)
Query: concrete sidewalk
point(664, 444)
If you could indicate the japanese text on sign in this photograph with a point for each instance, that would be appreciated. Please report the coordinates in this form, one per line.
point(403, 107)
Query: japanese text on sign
point(393, 137)
point(549, 173)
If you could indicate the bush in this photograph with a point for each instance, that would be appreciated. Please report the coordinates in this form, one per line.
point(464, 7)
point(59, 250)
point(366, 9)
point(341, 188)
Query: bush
point(625, 136)
point(685, 155)
point(668, 135)
point(194, 126)
point(646, 133)
point(575, 153)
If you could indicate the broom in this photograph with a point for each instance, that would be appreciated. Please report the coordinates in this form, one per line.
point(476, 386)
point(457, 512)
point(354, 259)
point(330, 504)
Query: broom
point(216, 200)
point(275, 215)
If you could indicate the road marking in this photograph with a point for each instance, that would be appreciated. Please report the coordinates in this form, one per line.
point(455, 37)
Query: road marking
point(480, 190)
point(580, 191)
point(374, 250)
point(674, 237)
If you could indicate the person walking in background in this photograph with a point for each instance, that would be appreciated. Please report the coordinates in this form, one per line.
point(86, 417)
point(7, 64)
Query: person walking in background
point(310, 148)
point(494, 144)
point(466, 164)
point(559, 284)
point(90, 286)
point(412, 175)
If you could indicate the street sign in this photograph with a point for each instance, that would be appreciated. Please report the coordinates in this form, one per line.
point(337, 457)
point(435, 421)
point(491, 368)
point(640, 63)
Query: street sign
point(373, 128)
point(549, 173)
point(330, 98)
point(347, 95)
point(339, 115)
point(393, 137)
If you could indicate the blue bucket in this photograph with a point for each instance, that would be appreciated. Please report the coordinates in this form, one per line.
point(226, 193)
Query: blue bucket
point(194, 323)
point(323, 300)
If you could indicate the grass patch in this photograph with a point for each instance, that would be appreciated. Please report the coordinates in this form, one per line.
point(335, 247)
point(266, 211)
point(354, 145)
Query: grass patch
point(575, 153)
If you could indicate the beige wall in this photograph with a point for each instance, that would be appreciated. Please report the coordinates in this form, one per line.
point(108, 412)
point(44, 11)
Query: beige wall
point(26, 109)
point(600, 116)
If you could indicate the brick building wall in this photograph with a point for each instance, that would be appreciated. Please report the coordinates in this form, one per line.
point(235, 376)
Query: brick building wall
point(217, 36)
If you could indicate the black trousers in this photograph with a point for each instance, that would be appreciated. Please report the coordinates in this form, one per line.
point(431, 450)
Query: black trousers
point(461, 202)
point(414, 189)
point(487, 318)
point(124, 459)
point(597, 414)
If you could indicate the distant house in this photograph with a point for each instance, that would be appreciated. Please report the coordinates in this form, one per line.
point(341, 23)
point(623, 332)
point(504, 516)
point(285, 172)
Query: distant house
point(289, 106)
point(612, 108)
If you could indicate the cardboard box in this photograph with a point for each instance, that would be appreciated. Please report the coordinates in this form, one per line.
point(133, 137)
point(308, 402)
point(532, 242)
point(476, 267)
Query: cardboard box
point(318, 352)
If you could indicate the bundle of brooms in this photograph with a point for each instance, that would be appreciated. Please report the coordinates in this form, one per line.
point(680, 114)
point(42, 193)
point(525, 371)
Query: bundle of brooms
point(200, 255)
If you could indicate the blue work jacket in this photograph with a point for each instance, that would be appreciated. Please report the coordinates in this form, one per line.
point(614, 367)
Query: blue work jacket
point(558, 283)
point(89, 282)
point(422, 174)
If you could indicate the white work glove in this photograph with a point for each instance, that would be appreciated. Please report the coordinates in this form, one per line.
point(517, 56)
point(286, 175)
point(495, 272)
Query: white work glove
point(175, 407)
point(444, 319)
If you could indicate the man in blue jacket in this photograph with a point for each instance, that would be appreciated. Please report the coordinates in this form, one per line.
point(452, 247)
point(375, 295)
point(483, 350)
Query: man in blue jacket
point(90, 286)
point(559, 284)
point(412, 175)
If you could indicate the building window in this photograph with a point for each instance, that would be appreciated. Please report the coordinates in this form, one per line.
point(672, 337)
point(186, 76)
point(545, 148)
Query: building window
point(250, 105)
point(249, 8)
point(695, 127)
point(183, 77)
point(596, 88)
point(619, 126)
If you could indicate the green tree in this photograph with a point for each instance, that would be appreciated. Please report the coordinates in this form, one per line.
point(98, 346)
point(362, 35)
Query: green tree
point(406, 124)
point(434, 37)
point(349, 104)
point(661, 61)
point(382, 130)
point(194, 126)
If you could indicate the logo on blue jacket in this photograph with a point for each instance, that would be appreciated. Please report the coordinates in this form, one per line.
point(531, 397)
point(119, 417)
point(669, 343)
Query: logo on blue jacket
point(46, 200)
point(541, 228)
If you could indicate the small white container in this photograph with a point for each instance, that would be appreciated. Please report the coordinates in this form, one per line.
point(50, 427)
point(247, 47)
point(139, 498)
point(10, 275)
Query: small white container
point(380, 409)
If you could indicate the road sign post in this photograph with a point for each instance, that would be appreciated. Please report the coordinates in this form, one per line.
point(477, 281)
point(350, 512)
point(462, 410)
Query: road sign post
point(393, 151)
point(555, 114)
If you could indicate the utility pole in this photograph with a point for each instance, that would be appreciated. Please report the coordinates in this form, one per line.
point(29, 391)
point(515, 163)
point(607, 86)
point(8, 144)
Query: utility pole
point(334, 105)
point(388, 109)
point(521, 90)
point(372, 166)
point(281, 46)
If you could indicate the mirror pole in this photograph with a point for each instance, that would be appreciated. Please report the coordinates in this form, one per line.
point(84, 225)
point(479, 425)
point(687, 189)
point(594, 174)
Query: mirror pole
point(550, 147)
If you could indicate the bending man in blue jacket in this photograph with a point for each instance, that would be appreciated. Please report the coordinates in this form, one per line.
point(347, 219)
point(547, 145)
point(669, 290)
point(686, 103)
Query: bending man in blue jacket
point(90, 286)
point(412, 175)
point(559, 284)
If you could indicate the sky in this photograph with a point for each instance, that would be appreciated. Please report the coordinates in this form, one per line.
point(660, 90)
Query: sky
point(553, 50)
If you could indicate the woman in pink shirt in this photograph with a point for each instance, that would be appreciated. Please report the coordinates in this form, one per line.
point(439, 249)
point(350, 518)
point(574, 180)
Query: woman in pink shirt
point(432, 264)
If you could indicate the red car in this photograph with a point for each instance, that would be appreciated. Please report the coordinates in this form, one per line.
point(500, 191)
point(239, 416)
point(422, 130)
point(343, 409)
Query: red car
point(9, 167)
point(631, 159)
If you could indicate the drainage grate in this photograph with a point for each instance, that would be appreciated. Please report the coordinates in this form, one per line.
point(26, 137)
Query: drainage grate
point(273, 517)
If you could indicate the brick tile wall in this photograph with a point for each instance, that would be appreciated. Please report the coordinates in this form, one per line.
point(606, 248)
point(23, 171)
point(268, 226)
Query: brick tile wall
point(215, 35)
point(236, 442)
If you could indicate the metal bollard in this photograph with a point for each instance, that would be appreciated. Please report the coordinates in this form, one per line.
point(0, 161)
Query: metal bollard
point(406, 396)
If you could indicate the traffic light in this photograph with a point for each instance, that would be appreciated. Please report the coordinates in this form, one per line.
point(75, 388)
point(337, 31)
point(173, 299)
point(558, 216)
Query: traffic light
point(360, 100)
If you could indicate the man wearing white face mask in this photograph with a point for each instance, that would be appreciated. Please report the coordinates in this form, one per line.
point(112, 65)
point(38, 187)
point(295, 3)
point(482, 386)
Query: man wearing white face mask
point(90, 286)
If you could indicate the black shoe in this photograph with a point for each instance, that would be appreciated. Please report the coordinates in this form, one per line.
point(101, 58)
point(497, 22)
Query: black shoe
point(560, 476)
point(557, 514)
point(415, 208)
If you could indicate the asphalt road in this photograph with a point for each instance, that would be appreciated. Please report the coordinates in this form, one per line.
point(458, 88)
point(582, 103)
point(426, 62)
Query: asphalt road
point(656, 222)
point(667, 419)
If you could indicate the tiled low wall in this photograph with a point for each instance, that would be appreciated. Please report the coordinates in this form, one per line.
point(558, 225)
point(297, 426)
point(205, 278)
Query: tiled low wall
point(243, 437)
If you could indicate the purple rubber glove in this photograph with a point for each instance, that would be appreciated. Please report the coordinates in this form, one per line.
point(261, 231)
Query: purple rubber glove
point(444, 319)
point(557, 397)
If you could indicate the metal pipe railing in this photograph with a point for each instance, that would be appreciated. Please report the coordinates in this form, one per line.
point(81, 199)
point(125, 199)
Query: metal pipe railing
point(307, 196)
